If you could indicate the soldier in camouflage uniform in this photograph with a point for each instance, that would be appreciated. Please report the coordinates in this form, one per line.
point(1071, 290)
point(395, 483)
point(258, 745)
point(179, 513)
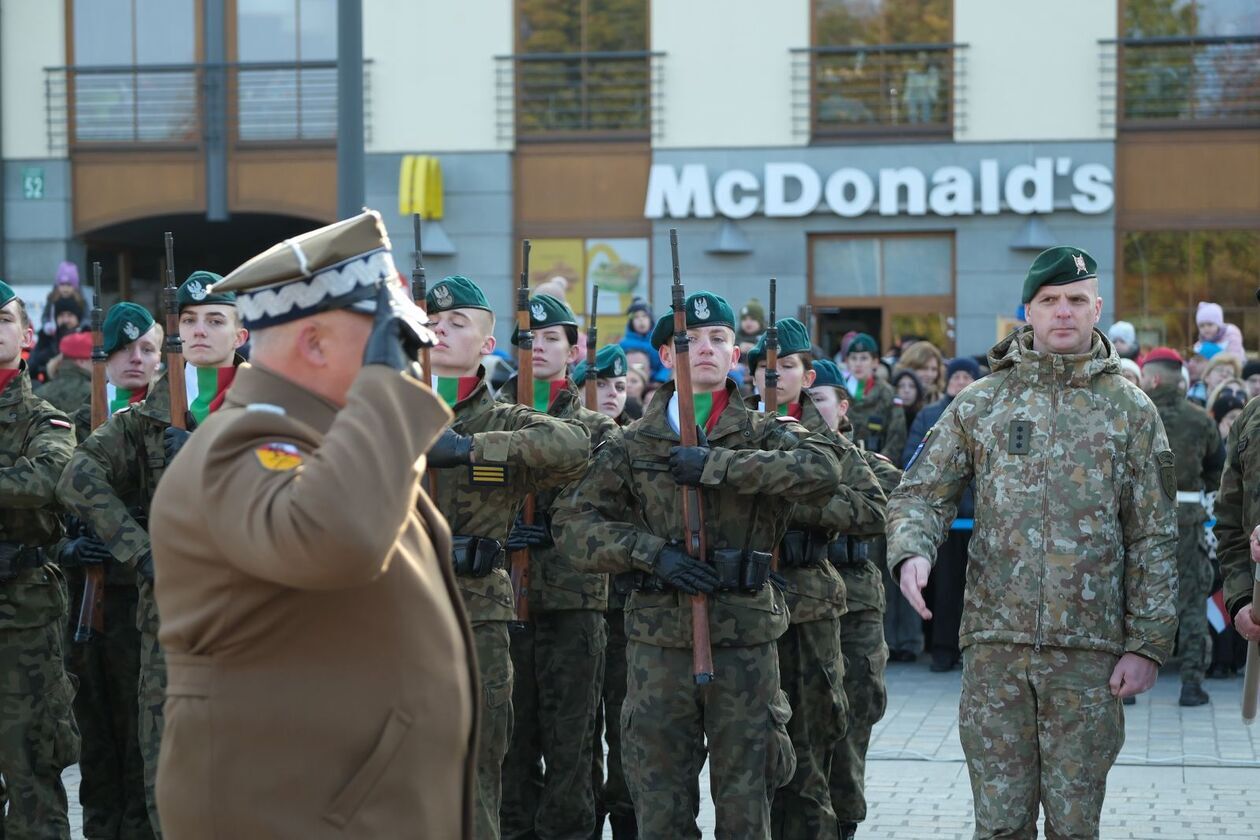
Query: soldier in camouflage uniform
point(483, 466)
point(109, 484)
point(811, 664)
point(626, 516)
point(879, 424)
point(558, 656)
point(1196, 442)
point(70, 388)
point(111, 786)
point(612, 795)
point(38, 736)
point(1071, 592)
point(854, 554)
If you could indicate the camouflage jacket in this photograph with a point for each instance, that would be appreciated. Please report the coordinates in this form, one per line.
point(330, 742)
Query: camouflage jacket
point(879, 424)
point(628, 506)
point(1196, 445)
point(865, 581)
point(112, 477)
point(69, 390)
point(517, 451)
point(1238, 507)
point(36, 441)
point(554, 582)
point(1075, 526)
point(857, 508)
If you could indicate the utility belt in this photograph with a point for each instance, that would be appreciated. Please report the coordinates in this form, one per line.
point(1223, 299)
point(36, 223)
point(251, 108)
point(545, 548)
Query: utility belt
point(1191, 497)
point(849, 551)
point(476, 556)
point(803, 549)
point(737, 570)
point(16, 558)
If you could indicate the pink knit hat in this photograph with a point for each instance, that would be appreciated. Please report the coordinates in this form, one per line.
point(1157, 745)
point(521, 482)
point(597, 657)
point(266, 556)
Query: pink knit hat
point(1209, 313)
point(68, 272)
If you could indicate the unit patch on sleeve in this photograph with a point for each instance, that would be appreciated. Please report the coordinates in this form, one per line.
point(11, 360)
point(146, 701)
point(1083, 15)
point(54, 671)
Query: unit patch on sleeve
point(487, 475)
point(278, 457)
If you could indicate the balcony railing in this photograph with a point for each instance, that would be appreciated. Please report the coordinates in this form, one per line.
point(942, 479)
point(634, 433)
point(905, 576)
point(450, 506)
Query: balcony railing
point(181, 104)
point(879, 89)
point(1182, 82)
point(564, 96)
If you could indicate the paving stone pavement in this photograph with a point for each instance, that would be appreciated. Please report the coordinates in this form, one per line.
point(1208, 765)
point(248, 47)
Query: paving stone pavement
point(1188, 774)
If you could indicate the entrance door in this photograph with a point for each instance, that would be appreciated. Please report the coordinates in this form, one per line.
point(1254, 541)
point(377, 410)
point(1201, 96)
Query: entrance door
point(834, 322)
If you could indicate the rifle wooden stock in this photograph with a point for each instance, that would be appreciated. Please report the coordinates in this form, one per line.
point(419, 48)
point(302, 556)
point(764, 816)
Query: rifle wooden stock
point(524, 396)
point(1251, 680)
point(692, 510)
point(591, 387)
point(174, 347)
point(91, 622)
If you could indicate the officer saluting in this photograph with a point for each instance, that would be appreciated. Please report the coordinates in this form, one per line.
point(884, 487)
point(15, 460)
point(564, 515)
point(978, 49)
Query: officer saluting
point(321, 668)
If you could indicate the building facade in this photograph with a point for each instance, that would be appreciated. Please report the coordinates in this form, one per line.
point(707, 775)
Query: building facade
point(895, 164)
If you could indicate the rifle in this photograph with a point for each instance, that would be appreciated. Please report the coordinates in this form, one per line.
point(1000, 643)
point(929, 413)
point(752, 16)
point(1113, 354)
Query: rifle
point(693, 513)
point(524, 396)
point(418, 290)
point(91, 621)
point(771, 397)
point(174, 347)
point(592, 331)
point(1251, 678)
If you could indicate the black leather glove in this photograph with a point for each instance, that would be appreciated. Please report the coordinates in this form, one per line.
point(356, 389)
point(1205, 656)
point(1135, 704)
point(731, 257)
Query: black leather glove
point(144, 565)
point(398, 332)
point(686, 463)
point(173, 440)
point(82, 551)
point(451, 450)
point(524, 536)
point(681, 571)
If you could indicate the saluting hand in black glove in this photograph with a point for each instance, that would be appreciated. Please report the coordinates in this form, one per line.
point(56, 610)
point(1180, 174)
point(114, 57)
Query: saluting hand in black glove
point(398, 332)
point(683, 572)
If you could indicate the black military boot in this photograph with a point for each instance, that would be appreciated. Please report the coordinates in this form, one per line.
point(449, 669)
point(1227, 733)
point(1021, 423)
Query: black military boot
point(1192, 694)
point(624, 826)
point(848, 830)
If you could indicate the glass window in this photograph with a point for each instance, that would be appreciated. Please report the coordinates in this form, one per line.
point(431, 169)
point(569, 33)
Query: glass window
point(918, 265)
point(897, 266)
point(846, 267)
point(598, 88)
point(157, 105)
point(292, 102)
point(856, 22)
point(1166, 273)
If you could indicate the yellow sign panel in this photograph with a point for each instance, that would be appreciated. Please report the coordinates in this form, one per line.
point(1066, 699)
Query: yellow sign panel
point(420, 186)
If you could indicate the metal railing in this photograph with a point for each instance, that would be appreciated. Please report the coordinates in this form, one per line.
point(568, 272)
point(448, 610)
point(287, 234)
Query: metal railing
point(182, 104)
point(560, 96)
point(879, 89)
point(1180, 82)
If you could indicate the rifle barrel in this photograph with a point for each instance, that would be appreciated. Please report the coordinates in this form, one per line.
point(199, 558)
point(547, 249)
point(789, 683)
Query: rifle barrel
point(592, 333)
point(174, 347)
point(91, 621)
point(524, 396)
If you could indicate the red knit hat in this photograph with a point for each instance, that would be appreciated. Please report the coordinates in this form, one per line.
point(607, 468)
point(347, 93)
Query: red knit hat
point(1163, 354)
point(76, 345)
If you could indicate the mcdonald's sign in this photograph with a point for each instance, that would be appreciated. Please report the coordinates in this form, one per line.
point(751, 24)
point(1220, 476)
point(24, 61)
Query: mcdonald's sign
point(420, 186)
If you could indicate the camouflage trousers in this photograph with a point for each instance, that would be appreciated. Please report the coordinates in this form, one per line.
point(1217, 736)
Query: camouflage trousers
point(111, 788)
point(865, 656)
point(1194, 584)
point(494, 665)
point(666, 721)
point(558, 667)
point(38, 734)
point(152, 697)
point(811, 672)
point(1038, 728)
point(612, 796)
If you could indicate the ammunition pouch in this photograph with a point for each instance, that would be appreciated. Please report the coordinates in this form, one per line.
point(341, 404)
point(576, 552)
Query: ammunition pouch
point(802, 549)
point(15, 558)
point(475, 556)
point(737, 571)
point(626, 582)
point(849, 551)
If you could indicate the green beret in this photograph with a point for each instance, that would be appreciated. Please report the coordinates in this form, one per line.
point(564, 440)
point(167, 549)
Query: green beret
point(704, 309)
point(197, 291)
point(1058, 266)
point(793, 339)
point(547, 311)
point(863, 343)
point(610, 361)
point(124, 323)
point(827, 375)
point(455, 292)
point(6, 293)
